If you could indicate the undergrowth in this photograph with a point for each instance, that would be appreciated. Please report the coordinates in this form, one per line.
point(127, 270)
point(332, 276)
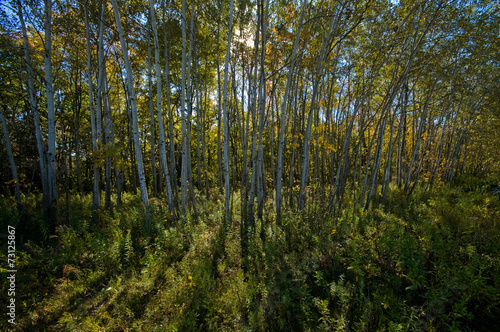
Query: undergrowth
point(426, 263)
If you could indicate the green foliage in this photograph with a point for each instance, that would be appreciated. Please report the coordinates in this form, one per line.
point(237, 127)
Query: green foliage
point(429, 262)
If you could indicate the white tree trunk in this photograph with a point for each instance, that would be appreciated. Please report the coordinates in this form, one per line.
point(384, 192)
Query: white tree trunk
point(162, 144)
point(51, 112)
point(227, 191)
point(36, 116)
point(170, 117)
point(183, 113)
point(283, 115)
point(133, 104)
point(152, 120)
point(262, 111)
point(95, 196)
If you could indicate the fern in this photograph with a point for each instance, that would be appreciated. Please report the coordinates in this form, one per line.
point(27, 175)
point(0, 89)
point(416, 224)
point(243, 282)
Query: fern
point(128, 248)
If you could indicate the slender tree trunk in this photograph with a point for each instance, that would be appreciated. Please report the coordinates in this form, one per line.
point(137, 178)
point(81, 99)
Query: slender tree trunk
point(51, 112)
point(104, 110)
point(283, 115)
point(152, 121)
point(100, 102)
point(10, 157)
point(378, 158)
point(227, 191)
point(219, 105)
point(162, 143)
point(262, 113)
point(244, 147)
point(203, 141)
point(133, 104)
point(199, 123)
point(95, 192)
point(401, 139)
point(76, 132)
point(317, 76)
point(253, 110)
point(440, 152)
point(171, 144)
point(184, 169)
point(307, 138)
point(118, 172)
point(416, 148)
point(387, 171)
point(108, 137)
point(36, 116)
point(190, 110)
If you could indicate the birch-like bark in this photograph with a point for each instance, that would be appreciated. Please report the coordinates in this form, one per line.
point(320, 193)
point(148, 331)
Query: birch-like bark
point(100, 102)
point(51, 111)
point(76, 131)
point(10, 157)
point(171, 144)
point(387, 172)
point(183, 114)
point(219, 105)
point(108, 136)
point(253, 109)
point(199, 122)
point(325, 49)
point(133, 104)
point(95, 191)
point(378, 158)
point(416, 148)
point(190, 110)
point(283, 114)
point(401, 138)
point(103, 109)
point(262, 111)
point(36, 116)
point(227, 191)
point(162, 142)
point(152, 121)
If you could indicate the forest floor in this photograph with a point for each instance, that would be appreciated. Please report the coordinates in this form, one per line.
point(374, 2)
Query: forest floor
point(426, 263)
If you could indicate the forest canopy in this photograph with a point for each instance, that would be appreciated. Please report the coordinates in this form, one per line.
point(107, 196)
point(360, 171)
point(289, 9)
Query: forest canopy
point(257, 97)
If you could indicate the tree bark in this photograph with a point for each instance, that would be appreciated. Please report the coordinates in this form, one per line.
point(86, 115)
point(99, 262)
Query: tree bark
point(283, 115)
point(10, 157)
point(36, 116)
point(152, 121)
point(171, 144)
point(95, 192)
point(227, 191)
point(262, 113)
point(133, 104)
point(162, 143)
point(51, 112)
point(184, 168)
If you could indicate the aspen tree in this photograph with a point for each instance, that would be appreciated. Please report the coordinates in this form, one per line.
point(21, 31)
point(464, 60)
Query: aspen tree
point(42, 156)
point(151, 119)
point(133, 104)
point(10, 157)
point(227, 192)
point(51, 112)
point(283, 113)
point(184, 168)
point(95, 192)
point(162, 144)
